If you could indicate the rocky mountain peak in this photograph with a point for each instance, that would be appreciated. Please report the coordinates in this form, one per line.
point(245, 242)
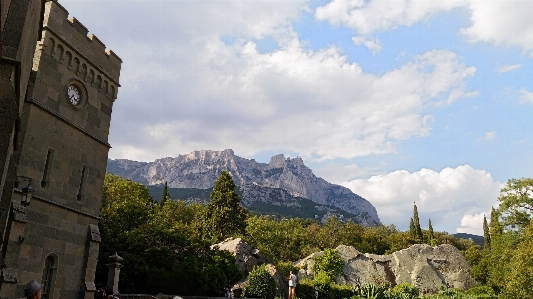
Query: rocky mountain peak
point(199, 170)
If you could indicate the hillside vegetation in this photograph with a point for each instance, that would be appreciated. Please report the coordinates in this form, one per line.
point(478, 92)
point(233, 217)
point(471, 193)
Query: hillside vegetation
point(165, 244)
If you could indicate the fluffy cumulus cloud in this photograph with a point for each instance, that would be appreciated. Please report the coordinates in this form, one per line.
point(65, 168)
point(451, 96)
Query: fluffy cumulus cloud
point(453, 198)
point(368, 17)
point(499, 22)
point(473, 224)
point(313, 103)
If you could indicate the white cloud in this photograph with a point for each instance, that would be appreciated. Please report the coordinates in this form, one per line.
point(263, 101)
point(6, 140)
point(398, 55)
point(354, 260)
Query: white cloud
point(472, 224)
point(372, 45)
point(379, 15)
point(490, 135)
point(502, 23)
point(337, 173)
point(526, 96)
point(444, 197)
point(499, 22)
point(509, 67)
point(313, 103)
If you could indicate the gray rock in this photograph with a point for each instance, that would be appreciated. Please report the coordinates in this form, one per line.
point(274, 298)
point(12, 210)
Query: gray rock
point(246, 259)
point(428, 268)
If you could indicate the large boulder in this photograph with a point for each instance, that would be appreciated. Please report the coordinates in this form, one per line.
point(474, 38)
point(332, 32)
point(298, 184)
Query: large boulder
point(246, 259)
point(246, 256)
point(428, 268)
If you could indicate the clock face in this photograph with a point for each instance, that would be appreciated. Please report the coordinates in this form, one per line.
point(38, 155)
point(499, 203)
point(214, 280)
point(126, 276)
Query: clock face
point(74, 95)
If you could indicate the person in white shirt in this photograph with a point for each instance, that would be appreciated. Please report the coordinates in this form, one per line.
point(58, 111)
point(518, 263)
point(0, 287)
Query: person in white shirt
point(292, 284)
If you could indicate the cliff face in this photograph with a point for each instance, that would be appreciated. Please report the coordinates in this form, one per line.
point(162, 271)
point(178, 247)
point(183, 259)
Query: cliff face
point(259, 181)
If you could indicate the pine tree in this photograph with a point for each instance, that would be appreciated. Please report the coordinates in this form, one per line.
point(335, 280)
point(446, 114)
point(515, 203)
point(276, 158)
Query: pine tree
point(416, 222)
point(225, 216)
point(431, 235)
point(486, 234)
point(165, 196)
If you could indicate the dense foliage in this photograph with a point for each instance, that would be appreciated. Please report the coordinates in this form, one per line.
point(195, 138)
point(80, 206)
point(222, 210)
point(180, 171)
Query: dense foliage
point(166, 246)
point(293, 239)
point(160, 244)
point(260, 284)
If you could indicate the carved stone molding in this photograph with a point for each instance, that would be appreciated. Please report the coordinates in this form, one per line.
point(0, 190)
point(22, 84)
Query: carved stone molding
point(9, 275)
point(95, 233)
point(19, 213)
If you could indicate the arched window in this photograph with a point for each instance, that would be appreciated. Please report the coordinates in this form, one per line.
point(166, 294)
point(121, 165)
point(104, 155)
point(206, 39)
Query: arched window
point(50, 266)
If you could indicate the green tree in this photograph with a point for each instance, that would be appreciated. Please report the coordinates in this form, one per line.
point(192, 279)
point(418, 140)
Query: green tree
point(165, 196)
point(431, 236)
point(516, 203)
point(225, 216)
point(486, 233)
point(520, 278)
point(412, 229)
point(416, 222)
point(160, 252)
point(260, 284)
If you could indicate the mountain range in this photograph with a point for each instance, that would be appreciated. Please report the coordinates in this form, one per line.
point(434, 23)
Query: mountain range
point(282, 184)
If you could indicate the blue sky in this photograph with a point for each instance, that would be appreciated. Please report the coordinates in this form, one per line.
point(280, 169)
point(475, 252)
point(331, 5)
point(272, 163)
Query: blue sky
point(401, 101)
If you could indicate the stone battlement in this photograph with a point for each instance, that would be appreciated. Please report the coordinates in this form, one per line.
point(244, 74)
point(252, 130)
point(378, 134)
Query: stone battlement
point(72, 33)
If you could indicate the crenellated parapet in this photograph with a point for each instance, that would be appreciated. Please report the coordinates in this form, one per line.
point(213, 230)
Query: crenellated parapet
point(69, 41)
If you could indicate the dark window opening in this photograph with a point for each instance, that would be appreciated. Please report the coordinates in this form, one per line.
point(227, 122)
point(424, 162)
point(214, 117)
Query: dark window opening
point(47, 165)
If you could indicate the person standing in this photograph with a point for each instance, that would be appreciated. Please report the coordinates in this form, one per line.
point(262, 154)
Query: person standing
point(292, 284)
point(32, 290)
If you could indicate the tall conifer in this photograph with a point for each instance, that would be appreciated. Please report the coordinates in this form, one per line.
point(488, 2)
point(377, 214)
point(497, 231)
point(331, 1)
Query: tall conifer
point(412, 231)
point(431, 235)
point(486, 233)
point(165, 196)
point(416, 222)
point(224, 216)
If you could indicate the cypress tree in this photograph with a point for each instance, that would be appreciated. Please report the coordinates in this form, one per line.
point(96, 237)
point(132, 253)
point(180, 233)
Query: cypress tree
point(412, 232)
point(416, 222)
point(486, 233)
point(165, 196)
point(431, 235)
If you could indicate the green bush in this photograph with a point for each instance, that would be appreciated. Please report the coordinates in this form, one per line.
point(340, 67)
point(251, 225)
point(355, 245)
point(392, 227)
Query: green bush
point(260, 284)
point(329, 262)
point(338, 291)
point(482, 292)
point(372, 291)
point(405, 290)
point(322, 285)
point(305, 289)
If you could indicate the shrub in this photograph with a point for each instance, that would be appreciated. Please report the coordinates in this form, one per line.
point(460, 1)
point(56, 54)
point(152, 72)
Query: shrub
point(340, 291)
point(406, 290)
point(260, 284)
point(305, 289)
point(330, 263)
point(372, 291)
point(322, 285)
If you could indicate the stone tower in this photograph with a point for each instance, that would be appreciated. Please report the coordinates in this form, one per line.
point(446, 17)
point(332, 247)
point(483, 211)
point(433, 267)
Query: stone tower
point(61, 151)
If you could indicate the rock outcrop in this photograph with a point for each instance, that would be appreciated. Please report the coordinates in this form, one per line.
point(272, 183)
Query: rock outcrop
point(428, 268)
point(279, 182)
point(246, 259)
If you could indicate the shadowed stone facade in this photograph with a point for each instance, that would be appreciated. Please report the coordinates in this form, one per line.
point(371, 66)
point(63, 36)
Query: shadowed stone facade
point(57, 88)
